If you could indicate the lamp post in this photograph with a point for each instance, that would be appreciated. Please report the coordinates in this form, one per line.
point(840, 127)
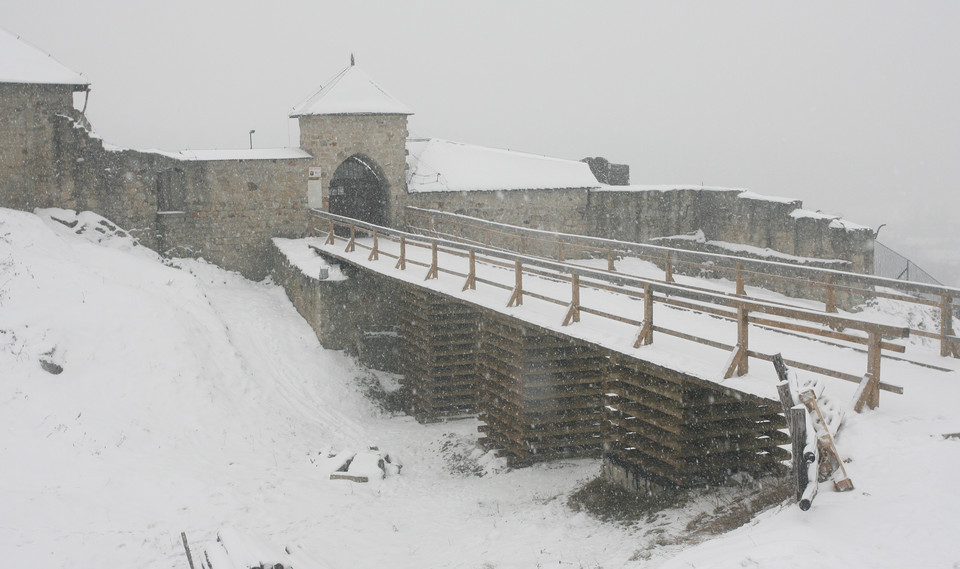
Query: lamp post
point(251, 139)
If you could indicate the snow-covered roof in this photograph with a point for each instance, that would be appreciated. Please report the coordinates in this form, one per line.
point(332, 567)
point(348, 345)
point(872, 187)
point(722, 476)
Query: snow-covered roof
point(351, 92)
point(436, 165)
point(667, 188)
point(235, 154)
point(21, 62)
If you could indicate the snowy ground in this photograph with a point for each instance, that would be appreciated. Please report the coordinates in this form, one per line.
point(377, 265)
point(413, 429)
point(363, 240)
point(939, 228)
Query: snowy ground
point(191, 399)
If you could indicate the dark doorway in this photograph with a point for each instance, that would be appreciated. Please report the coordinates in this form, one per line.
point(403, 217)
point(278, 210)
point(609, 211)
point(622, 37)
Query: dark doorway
point(356, 191)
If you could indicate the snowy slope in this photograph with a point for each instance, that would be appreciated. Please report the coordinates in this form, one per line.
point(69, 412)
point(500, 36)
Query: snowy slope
point(192, 400)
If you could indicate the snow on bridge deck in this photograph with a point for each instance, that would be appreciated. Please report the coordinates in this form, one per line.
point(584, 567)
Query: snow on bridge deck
point(700, 361)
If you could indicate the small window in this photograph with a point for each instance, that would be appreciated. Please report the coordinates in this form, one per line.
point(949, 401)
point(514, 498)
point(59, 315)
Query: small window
point(171, 191)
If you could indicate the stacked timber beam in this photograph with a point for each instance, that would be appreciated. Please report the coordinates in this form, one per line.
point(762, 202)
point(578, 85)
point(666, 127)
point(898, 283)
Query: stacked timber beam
point(439, 339)
point(676, 429)
point(541, 394)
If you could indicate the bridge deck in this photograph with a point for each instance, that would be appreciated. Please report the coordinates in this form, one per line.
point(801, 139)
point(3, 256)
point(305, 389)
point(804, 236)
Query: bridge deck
point(701, 361)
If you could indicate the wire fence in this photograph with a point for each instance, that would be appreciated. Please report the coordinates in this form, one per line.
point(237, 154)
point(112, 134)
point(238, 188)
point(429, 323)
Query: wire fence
point(892, 265)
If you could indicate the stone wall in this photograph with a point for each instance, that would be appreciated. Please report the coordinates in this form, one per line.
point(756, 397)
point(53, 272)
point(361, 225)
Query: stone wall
point(357, 314)
point(567, 211)
point(28, 119)
point(227, 210)
point(728, 216)
point(379, 139)
point(232, 208)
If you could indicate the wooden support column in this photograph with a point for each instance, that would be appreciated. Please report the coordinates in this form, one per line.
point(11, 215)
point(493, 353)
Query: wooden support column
point(434, 270)
point(869, 391)
point(946, 326)
point(739, 361)
point(668, 269)
point(402, 261)
point(831, 294)
point(375, 252)
point(645, 335)
point(352, 244)
point(741, 291)
point(516, 299)
point(472, 274)
point(573, 313)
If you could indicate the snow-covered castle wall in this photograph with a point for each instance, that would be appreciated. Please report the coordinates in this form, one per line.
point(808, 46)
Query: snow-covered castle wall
point(223, 207)
point(721, 218)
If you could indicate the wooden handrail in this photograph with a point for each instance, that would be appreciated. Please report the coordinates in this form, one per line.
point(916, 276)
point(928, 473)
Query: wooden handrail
point(831, 281)
point(653, 291)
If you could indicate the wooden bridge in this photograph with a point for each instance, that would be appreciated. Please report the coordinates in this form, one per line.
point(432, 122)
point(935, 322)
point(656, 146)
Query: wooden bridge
point(561, 358)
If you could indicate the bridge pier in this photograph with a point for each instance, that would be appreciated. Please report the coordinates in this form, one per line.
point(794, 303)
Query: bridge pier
point(439, 347)
point(541, 393)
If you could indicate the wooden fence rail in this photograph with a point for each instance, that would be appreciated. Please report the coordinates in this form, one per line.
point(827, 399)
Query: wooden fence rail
point(808, 282)
point(744, 311)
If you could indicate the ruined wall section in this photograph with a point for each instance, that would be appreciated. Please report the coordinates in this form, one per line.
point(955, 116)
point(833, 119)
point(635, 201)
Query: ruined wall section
point(728, 216)
point(331, 139)
point(224, 210)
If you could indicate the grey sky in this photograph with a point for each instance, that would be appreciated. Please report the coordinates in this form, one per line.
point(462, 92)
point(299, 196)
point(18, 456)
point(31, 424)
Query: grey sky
point(850, 106)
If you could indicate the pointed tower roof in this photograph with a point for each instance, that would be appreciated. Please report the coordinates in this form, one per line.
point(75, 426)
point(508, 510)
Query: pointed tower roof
point(351, 92)
point(21, 62)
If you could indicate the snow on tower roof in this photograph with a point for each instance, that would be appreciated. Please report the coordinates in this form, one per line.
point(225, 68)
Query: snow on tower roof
point(436, 165)
point(21, 62)
point(351, 92)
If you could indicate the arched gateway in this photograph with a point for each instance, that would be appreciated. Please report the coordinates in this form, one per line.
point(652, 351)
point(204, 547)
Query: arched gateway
point(358, 190)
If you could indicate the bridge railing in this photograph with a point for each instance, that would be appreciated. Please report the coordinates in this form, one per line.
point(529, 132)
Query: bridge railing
point(743, 311)
point(801, 281)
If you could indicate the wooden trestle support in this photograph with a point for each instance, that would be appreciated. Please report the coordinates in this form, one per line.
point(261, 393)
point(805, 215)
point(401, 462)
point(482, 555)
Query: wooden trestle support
point(439, 347)
point(541, 394)
point(670, 427)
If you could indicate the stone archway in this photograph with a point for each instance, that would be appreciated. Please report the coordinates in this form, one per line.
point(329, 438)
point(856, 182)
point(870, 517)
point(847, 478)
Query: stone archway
point(358, 190)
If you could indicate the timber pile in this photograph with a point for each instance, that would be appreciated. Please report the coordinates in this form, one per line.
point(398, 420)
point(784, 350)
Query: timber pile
point(541, 395)
point(684, 431)
point(438, 354)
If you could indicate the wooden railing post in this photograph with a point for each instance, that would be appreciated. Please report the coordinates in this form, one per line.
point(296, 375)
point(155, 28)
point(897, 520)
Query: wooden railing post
point(516, 299)
point(739, 362)
point(610, 260)
point(946, 326)
point(869, 391)
point(434, 270)
point(472, 274)
point(560, 250)
point(402, 260)
point(573, 313)
point(831, 300)
point(331, 239)
point(645, 336)
point(668, 269)
point(375, 252)
point(351, 245)
point(741, 291)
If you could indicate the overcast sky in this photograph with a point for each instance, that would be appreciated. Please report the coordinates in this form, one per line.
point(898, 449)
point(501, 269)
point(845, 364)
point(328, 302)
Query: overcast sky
point(850, 106)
